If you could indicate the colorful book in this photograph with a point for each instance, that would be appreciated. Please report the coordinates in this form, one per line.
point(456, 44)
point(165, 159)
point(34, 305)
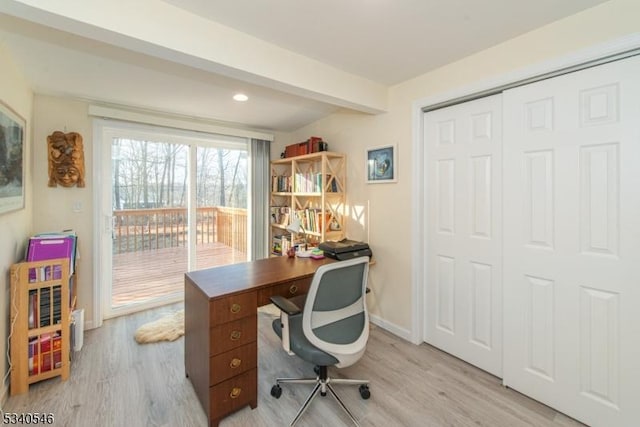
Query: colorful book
point(45, 353)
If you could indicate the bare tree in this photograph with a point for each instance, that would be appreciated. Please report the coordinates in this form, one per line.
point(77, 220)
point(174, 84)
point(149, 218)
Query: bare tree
point(150, 174)
point(233, 191)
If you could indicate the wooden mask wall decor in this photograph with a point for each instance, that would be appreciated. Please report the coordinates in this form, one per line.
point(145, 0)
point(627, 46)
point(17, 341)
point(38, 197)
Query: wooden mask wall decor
point(66, 159)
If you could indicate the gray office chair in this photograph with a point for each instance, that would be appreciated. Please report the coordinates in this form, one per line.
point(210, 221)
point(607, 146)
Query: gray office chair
point(331, 329)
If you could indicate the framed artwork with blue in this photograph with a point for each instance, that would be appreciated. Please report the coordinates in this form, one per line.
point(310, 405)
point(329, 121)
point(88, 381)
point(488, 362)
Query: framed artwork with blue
point(382, 164)
point(12, 134)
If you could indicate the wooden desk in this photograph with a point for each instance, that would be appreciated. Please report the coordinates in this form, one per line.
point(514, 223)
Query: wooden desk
point(221, 342)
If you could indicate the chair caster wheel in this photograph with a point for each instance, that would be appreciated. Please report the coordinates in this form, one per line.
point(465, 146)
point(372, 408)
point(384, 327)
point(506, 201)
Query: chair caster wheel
point(364, 391)
point(276, 391)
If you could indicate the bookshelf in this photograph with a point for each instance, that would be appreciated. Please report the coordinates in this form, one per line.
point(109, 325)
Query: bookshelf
point(311, 187)
point(41, 305)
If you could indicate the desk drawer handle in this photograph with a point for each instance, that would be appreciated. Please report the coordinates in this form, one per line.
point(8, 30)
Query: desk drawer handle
point(235, 335)
point(235, 308)
point(235, 363)
point(235, 392)
point(293, 289)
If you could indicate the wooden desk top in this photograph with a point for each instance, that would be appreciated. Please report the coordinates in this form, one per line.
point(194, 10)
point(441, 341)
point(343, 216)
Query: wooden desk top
point(223, 281)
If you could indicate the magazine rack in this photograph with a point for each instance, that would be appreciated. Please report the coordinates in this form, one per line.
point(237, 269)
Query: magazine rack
point(40, 317)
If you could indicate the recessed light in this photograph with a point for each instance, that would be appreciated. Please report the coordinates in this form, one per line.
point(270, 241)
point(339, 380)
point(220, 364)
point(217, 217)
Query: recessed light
point(240, 97)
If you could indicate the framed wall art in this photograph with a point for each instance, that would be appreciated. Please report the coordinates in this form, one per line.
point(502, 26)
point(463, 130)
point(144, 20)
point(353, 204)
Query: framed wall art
point(382, 164)
point(12, 136)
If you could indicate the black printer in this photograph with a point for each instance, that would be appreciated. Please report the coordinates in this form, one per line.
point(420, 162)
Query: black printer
point(345, 249)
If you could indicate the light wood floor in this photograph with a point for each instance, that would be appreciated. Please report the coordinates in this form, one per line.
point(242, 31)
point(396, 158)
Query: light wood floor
point(116, 382)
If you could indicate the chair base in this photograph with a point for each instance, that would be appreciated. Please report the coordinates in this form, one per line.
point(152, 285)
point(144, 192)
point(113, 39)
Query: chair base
point(323, 383)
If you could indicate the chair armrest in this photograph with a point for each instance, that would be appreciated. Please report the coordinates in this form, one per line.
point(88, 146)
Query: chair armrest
point(285, 305)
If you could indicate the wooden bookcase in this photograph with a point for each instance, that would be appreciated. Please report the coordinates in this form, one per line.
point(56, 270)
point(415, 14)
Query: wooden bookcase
point(313, 188)
point(41, 304)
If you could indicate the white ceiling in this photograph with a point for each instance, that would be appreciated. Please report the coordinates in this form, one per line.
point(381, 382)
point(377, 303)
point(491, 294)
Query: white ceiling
point(384, 41)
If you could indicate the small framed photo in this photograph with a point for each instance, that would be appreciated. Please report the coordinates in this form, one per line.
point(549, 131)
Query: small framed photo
point(382, 164)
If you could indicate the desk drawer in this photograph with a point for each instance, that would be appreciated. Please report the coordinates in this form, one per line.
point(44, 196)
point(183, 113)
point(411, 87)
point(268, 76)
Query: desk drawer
point(233, 334)
point(287, 290)
point(232, 307)
point(233, 362)
point(233, 394)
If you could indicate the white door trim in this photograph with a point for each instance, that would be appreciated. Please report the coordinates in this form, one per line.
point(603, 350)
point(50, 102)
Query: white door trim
point(98, 224)
point(418, 244)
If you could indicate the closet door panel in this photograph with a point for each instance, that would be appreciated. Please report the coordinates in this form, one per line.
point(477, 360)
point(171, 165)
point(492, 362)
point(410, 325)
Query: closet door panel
point(464, 297)
point(572, 242)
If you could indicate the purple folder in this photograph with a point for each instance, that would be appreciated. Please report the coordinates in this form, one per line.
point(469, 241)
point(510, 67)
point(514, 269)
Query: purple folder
point(44, 248)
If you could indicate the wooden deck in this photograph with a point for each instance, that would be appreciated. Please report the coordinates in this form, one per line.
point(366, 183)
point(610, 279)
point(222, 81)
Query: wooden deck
point(143, 275)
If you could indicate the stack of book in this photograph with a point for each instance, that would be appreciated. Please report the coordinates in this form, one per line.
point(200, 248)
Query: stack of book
point(311, 182)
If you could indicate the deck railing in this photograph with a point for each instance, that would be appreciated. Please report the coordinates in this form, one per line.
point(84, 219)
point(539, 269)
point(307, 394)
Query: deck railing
point(145, 229)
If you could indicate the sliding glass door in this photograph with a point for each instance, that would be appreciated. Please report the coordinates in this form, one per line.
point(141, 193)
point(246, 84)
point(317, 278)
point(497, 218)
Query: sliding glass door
point(173, 201)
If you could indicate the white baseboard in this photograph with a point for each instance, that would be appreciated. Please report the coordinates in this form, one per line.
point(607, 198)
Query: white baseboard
point(388, 326)
point(376, 320)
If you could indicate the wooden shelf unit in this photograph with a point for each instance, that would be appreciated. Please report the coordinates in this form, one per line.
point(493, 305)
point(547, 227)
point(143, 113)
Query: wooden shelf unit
point(41, 305)
point(312, 187)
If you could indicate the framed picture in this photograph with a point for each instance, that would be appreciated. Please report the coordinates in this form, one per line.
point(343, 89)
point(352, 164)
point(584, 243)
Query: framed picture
point(12, 128)
point(382, 164)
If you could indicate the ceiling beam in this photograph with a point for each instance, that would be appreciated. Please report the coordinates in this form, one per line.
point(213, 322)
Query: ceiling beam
point(158, 29)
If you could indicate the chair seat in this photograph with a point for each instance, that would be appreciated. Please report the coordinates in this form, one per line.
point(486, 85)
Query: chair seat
point(301, 346)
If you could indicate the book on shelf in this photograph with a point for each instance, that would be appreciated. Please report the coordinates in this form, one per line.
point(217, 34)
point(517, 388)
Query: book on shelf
point(331, 184)
point(280, 244)
point(276, 245)
point(312, 182)
point(45, 353)
point(279, 215)
point(44, 305)
point(281, 183)
point(311, 219)
point(45, 310)
point(304, 182)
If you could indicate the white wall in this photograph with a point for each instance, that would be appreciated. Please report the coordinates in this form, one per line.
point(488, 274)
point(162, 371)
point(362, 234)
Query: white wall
point(53, 206)
point(15, 227)
point(390, 213)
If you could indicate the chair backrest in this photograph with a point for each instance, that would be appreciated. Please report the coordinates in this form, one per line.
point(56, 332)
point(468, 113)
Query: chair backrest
point(335, 317)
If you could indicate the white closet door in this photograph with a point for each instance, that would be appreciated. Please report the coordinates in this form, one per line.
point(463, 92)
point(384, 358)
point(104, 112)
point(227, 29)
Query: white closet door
point(572, 243)
point(463, 290)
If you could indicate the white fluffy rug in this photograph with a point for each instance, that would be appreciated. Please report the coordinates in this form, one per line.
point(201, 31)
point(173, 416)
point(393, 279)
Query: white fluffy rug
point(167, 328)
